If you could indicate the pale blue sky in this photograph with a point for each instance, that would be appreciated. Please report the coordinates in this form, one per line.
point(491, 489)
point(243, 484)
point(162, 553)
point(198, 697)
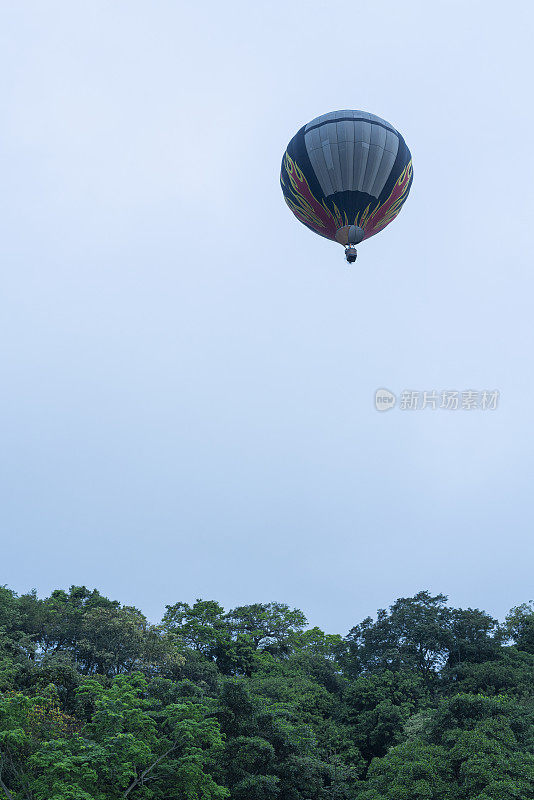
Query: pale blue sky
point(176, 425)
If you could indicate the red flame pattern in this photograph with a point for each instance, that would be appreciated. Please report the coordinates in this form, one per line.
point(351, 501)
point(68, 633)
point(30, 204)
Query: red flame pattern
point(327, 222)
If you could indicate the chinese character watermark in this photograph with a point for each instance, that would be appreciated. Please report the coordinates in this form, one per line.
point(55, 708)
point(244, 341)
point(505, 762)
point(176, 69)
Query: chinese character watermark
point(446, 399)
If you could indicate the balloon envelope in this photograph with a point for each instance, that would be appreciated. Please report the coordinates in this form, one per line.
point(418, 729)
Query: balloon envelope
point(346, 168)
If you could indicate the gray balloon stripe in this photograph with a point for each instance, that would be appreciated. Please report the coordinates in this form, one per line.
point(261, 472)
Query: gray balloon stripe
point(389, 128)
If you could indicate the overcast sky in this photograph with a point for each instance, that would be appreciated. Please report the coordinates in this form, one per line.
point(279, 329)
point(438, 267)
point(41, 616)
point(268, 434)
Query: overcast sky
point(188, 374)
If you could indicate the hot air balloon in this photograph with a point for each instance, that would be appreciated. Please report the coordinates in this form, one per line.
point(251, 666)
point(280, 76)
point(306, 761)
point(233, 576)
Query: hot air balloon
point(346, 175)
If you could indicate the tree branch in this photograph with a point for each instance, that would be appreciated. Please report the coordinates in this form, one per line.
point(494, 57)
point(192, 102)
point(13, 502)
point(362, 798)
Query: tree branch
point(6, 790)
point(143, 775)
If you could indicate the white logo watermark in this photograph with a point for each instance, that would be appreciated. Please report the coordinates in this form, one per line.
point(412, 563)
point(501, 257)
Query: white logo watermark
point(384, 400)
point(446, 399)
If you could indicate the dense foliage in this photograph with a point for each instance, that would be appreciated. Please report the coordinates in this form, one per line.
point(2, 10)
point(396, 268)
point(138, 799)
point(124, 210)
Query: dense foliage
point(426, 702)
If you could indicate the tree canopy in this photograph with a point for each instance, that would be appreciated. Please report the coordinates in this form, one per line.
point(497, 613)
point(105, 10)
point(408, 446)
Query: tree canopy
point(423, 702)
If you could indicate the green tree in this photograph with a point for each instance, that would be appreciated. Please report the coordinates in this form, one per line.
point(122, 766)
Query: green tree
point(269, 626)
point(414, 635)
point(410, 771)
point(519, 626)
point(131, 747)
point(427, 702)
point(199, 627)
